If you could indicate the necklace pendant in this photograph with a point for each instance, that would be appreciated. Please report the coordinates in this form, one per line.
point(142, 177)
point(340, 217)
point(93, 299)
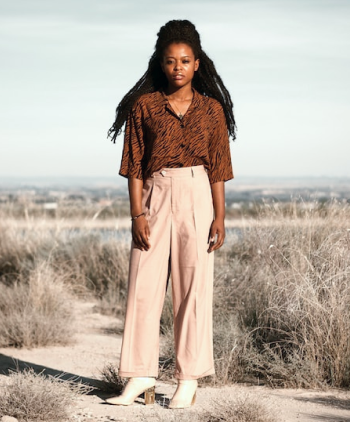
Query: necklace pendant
point(180, 116)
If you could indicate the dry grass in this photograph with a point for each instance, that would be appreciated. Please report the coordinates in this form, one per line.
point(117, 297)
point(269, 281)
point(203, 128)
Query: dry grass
point(282, 291)
point(37, 270)
point(112, 382)
point(35, 312)
point(240, 409)
point(88, 262)
point(222, 407)
point(32, 397)
point(295, 307)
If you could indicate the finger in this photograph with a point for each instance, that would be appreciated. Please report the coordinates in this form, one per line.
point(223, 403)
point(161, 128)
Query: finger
point(219, 242)
point(138, 246)
point(138, 241)
point(216, 244)
point(211, 243)
point(212, 233)
point(144, 241)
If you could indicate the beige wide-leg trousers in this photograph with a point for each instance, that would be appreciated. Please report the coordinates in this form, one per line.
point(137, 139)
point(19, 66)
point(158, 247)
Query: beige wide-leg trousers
point(178, 206)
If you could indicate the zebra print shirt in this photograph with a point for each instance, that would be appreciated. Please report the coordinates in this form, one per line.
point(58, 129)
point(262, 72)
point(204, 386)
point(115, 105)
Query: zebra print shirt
point(156, 138)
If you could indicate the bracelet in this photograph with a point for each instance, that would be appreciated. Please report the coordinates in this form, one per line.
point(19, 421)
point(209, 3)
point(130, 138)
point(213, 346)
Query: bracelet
point(137, 216)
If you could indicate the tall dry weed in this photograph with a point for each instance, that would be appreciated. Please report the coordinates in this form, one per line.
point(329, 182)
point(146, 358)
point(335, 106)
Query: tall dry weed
point(33, 397)
point(36, 312)
point(297, 297)
point(90, 263)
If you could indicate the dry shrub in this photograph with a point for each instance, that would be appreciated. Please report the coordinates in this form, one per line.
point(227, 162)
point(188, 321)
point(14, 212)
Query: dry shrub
point(296, 309)
point(36, 311)
point(99, 265)
point(89, 262)
point(18, 253)
point(32, 397)
point(240, 409)
point(112, 382)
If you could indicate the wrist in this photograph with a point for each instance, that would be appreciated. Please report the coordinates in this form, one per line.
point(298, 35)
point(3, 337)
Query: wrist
point(135, 217)
point(219, 217)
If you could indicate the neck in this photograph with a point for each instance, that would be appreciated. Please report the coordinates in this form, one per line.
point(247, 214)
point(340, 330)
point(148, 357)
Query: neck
point(180, 94)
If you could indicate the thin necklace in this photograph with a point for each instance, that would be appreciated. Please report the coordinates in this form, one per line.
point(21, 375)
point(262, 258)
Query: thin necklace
point(179, 111)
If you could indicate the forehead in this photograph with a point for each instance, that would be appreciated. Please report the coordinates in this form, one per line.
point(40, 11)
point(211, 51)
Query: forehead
point(178, 50)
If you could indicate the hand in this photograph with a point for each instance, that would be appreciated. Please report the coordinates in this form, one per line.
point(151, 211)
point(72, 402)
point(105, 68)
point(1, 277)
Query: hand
point(216, 234)
point(140, 233)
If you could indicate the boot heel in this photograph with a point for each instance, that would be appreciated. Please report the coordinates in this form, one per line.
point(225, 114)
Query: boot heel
point(194, 399)
point(150, 395)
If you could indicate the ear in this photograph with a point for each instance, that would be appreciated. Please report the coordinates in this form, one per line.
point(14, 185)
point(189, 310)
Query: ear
point(196, 65)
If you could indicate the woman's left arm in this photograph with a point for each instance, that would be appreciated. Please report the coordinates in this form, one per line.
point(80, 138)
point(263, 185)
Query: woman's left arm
point(217, 229)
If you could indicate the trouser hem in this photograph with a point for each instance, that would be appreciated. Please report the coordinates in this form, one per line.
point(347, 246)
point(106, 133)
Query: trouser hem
point(125, 374)
point(181, 376)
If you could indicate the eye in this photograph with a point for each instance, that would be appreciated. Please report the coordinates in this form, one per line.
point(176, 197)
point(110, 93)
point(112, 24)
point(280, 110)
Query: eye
point(185, 61)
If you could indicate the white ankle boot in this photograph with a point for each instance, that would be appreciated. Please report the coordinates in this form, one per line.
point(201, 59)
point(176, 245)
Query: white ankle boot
point(133, 389)
point(185, 394)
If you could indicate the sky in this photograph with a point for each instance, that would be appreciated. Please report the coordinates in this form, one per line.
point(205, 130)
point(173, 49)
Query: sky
point(65, 65)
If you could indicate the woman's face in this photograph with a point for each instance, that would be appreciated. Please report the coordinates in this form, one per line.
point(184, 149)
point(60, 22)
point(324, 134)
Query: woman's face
point(179, 65)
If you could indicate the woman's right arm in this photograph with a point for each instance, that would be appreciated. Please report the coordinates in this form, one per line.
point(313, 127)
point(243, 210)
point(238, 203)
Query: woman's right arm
point(140, 228)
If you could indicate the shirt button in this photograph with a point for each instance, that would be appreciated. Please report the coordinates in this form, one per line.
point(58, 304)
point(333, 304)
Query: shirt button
point(182, 145)
point(182, 125)
point(181, 165)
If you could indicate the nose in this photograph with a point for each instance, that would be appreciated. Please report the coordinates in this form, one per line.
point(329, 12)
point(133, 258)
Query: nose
point(177, 65)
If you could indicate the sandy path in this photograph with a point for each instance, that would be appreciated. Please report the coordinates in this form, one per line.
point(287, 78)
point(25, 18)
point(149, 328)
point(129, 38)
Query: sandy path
point(97, 344)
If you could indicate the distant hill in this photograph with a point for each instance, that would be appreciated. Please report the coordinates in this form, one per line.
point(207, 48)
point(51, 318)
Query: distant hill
point(241, 189)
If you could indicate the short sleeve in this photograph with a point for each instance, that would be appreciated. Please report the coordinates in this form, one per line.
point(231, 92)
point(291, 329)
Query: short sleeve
point(219, 148)
point(133, 150)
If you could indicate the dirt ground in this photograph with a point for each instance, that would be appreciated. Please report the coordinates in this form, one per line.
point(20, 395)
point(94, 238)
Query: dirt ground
point(97, 343)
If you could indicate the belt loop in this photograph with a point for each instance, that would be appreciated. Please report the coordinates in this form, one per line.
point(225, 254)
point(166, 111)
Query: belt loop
point(192, 171)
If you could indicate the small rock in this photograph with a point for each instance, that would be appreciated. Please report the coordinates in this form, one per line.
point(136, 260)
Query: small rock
point(8, 419)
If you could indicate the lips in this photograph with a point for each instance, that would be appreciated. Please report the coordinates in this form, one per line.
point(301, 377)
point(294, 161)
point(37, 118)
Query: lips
point(178, 76)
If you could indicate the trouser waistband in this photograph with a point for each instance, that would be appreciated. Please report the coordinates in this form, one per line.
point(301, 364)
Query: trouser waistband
point(180, 172)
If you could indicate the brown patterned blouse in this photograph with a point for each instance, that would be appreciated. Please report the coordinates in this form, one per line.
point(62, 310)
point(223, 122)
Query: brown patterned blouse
point(156, 138)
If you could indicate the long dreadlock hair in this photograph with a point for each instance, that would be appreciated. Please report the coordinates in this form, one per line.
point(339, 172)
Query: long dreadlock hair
point(206, 80)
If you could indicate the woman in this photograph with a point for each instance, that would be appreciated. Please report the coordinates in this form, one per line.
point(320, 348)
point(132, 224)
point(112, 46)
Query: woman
point(176, 157)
